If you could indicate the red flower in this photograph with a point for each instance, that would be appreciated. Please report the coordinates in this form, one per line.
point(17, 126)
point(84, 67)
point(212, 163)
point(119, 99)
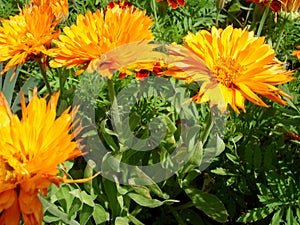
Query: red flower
point(275, 5)
point(174, 3)
point(121, 4)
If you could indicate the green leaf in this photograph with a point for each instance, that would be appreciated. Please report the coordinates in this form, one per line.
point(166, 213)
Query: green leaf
point(255, 215)
point(87, 199)
point(146, 202)
point(277, 217)
point(290, 219)
point(222, 172)
point(50, 219)
point(107, 135)
point(100, 215)
point(234, 8)
point(51, 208)
point(76, 206)
point(29, 84)
point(85, 214)
point(84, 197)
point(144, 178)
point(8, 87)
point(64, 197)
point(134, 220)
point(121, 221)
point(210, 204)
point(89, 172)
point(112, 194)
point(232, 158)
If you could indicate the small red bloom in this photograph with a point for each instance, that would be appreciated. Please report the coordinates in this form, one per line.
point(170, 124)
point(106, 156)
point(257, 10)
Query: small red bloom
point(121, 4)
point(174, 3)
point(275, 5)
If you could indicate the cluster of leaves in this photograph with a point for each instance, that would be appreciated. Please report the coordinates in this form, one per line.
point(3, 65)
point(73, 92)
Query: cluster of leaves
point(254, 178)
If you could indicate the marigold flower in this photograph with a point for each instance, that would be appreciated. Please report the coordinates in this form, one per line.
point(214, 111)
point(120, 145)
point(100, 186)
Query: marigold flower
point(174, 3)
point(26, 35)
point(296, 53)
point(31, 150)
point(94, 34)
point(275, 5)
point(290, 9)
point(60, 8)
point(121, 4)
point(243, 66)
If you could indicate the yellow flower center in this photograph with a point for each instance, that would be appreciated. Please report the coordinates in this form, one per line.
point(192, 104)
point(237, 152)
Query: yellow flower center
point(6, 173)
point(226, 70)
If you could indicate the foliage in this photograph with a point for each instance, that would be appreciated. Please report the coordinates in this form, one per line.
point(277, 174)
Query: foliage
point(254, 176)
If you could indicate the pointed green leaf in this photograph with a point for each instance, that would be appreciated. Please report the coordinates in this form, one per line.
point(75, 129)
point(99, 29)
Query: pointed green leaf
point(100, 215)
point(210, 204)
point(85, 214)
point(122, 221)
point(277, 217)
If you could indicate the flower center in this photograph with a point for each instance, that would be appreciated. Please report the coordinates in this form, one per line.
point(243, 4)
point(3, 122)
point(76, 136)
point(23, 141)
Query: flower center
point(226, 70)
point(6, 173)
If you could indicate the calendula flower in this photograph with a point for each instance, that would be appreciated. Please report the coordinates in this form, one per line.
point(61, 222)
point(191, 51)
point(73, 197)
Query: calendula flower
point(173, 3)
point(275, 5)
point(60, 8)
point(26, 35)
point(296, 53)
point(31, 150)
point(242, 65)
point(290, 9)
point(121, 4)
point(97, 33)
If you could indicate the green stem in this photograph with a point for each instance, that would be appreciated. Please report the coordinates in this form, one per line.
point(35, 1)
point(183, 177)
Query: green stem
point(281, 31)
point(111, 90)
point(60, 80)
point(153, 2)
point(43, 70)
point(263, 19)
point(248, 14)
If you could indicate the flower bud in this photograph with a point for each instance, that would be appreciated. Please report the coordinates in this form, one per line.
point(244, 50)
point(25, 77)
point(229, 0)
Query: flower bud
point(220, 4)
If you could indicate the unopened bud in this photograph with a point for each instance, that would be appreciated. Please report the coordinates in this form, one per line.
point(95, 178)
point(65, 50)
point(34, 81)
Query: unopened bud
point(220, 4)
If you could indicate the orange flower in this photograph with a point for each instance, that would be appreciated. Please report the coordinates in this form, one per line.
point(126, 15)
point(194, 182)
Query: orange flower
point(296, 53)
point(95, 34)
point(275, 5)
point(31, 150)
point(174, 3)
point(59, 7)
point(243, 66)
point(121, 4)
point(290, 8)
point(26, 36)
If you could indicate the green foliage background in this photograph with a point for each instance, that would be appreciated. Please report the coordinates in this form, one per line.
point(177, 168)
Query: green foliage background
point(255, 180)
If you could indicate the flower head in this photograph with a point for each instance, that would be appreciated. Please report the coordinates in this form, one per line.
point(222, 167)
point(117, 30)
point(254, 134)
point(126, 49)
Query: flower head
point(242, 65)
point(26, 35)
point(174, 3)
point(59, 7)
point(121, 4)
point(275, 5)
point(296, 53)
point(97, 33)
point(290, 9)
point(31, 150)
